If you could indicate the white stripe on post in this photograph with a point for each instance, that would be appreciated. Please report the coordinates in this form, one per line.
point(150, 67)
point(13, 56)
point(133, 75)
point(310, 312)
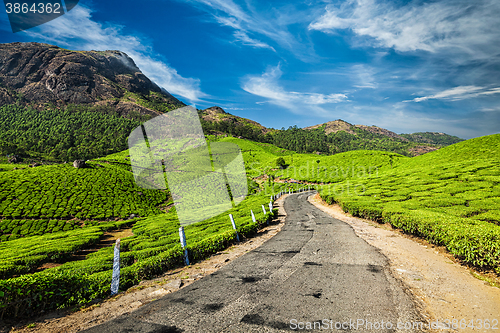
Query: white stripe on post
point(115, 280)
point(182, 237)
point(234, 227)
point(253, 216)
point(263, 209)
point(270, 207)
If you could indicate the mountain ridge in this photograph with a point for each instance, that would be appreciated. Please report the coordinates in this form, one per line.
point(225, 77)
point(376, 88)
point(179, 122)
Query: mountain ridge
point(46, 77)
point(418, 143)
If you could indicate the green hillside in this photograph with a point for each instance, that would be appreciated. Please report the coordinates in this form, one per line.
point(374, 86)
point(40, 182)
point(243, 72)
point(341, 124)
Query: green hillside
point(450, 197)
point(485, 147)
point(64, 134)
point(49, 213)
point(260, 159)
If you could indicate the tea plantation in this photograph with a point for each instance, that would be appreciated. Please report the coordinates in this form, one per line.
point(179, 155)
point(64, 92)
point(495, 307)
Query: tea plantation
point(450, 197)
point(49, 213)
point(153, 249)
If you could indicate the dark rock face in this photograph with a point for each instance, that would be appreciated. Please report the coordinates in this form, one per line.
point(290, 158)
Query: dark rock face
point(45, 73)
point(79, 164)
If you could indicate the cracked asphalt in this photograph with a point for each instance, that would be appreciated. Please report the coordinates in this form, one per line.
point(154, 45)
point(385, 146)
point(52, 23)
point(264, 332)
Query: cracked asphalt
point(315, 270)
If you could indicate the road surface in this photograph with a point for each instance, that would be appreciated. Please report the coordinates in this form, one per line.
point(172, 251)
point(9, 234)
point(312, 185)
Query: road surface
point(316, 273)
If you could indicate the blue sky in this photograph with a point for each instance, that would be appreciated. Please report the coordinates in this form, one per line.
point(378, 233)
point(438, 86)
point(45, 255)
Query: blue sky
point(407, 66)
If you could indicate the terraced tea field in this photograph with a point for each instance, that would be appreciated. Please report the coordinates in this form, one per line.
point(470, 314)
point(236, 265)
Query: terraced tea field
point(49, 213)
point(450, 197)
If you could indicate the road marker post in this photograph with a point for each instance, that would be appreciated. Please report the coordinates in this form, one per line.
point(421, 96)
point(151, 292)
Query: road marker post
point(115, 279)
point(234, 227)
point(263, 209)
point(253, 216)
point(182, 237)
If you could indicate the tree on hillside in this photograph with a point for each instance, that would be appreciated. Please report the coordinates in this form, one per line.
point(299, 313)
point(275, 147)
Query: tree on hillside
point(280, 162)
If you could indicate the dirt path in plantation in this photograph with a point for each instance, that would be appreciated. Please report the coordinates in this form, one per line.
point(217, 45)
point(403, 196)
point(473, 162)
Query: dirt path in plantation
point(146, 291)
point(445, 289)
point(108, 239)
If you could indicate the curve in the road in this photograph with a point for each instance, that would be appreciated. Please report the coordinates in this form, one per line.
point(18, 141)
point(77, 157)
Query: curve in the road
point(315, 270)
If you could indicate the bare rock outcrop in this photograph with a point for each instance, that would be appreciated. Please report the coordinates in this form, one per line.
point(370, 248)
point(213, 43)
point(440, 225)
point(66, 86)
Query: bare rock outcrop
point(79, 164)
point(43, 73)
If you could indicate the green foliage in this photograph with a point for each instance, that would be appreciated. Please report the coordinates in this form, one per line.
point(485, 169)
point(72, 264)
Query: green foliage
point(153, 249)
point(154, 101)
point(300, 140)
point(66, 134)
point(450, 197)
point(246, 130)
point(280, 162)
point(316, 140)
point(432, 138)
point(98, 192)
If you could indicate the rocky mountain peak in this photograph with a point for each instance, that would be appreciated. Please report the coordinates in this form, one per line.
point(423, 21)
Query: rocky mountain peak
point(334, 126)
point(43, 73)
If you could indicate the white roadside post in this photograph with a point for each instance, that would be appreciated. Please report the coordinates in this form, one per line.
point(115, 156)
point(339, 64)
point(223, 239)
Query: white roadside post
point(263, 209)
point(253, 216)
point(234, 227)
point(115, 280)
point(270, 210)
point(182, 237)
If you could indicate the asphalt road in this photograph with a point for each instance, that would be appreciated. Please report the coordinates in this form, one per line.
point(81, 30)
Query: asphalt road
point(315, 270)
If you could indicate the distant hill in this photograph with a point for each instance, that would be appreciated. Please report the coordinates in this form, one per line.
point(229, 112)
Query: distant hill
point(433, 138)
point(216, 121)
point(333, 127)
point(329, 138)
point(352, 137)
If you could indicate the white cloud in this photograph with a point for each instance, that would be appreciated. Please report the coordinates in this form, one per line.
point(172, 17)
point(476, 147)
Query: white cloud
point(365, 76)
point(469, 27)
point(246, 40)
point(495, 109)
point(251, 26)
point(267, 86)
point(77, 30)
point(459, 93)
